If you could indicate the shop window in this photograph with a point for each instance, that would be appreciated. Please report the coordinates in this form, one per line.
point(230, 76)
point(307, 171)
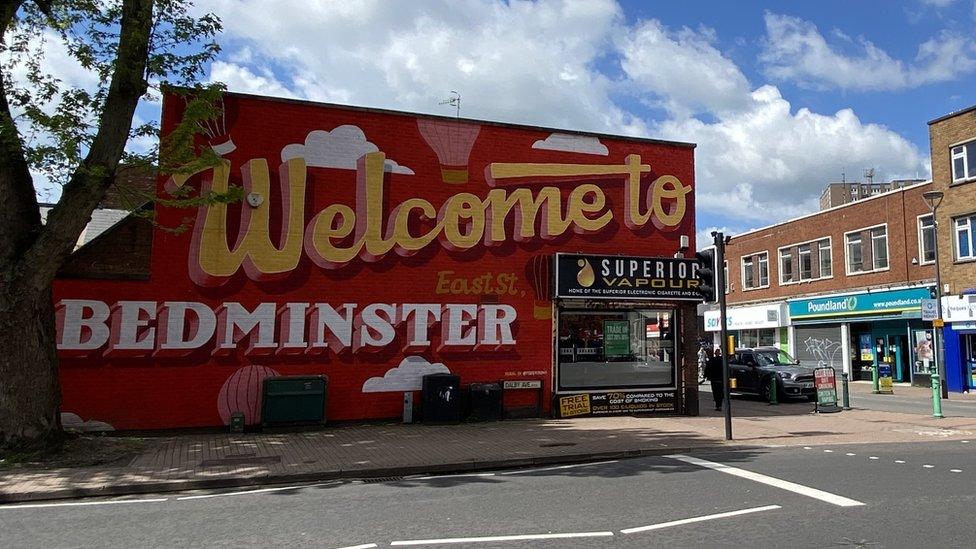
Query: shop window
point(757, 338)
point(924, 352)
point(926, 239)
point(965, 244)
point(755, 271)
point(964, 162)
point(616, 349)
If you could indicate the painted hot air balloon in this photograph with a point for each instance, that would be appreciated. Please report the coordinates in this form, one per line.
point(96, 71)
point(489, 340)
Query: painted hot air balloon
point(451, 141)
point(539, 272)
point(242, 393)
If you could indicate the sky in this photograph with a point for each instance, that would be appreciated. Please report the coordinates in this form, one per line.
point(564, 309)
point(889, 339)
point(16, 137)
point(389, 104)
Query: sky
point(781, 97)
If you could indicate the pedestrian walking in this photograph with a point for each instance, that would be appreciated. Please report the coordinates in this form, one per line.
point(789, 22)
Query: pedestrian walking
point(713, 371)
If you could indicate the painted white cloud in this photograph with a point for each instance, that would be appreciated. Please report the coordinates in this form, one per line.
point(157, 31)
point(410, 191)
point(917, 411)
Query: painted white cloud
point(73, 422)
point(341, 148)
point(585, 144)
point(795, 50)
point(407, 376)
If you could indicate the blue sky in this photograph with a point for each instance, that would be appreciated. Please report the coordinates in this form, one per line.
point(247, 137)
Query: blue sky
point(781, 97)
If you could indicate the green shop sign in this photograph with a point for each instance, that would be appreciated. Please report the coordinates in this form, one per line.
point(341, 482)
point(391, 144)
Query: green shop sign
point(875, 303)
point(616, 338)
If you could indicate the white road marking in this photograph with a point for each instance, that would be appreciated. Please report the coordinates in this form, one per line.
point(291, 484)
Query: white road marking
point(850, 454)
point(873, 457)
point(955, 470)
point(258, 491)
point(927, 466)
point(828, 451)
point(432, 477)
point(517, 537)
point(80, 503)
point(699, 519)
point(523, 471)
point(363, 546)
point(808, 448)
point(965, 442)
point(899, 461)
point(770, 481)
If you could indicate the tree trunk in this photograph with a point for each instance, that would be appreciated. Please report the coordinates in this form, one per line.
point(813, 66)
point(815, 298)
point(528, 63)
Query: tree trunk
point(30, 395)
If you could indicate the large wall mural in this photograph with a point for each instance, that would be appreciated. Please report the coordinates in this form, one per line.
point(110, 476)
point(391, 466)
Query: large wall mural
point(373, 247)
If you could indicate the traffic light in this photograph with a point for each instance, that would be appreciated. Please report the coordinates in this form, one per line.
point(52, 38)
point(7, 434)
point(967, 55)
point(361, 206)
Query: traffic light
point(706, 274)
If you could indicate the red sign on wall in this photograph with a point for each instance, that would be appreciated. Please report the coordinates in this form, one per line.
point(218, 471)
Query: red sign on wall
point(373, 247)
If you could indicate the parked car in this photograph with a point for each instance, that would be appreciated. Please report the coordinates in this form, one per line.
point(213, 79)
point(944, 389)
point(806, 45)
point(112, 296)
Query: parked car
point(755, 368)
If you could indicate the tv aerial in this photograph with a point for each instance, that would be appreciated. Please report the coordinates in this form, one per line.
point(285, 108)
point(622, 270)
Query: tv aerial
point(454, 101)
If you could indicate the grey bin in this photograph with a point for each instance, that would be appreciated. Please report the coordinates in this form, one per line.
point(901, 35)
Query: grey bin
point(294, 400)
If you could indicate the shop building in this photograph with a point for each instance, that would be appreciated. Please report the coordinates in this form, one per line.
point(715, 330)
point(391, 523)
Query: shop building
point(840, 287)
point(375, 247)
point(953, 146)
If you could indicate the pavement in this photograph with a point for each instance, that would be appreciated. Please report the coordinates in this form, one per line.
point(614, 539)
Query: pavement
point(218, 460)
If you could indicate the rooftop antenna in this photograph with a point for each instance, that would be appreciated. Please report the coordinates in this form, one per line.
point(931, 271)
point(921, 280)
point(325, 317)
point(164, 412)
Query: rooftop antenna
point(869, 175)
point(454, 101)
point(843, 177)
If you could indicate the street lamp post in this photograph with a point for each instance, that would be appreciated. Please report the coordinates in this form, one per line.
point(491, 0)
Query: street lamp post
point(933, 199)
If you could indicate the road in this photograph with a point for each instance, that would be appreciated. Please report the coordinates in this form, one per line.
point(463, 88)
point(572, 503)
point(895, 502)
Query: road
point(814, 496)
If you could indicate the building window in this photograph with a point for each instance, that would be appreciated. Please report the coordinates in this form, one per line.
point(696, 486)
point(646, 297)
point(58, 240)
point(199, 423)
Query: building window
point(785, 266)
point(755, 271)
point(964, 162)
point(806, 264)
point(825, 259)
point(879, 247)
point(796, 263)
point(926, 239)
point(855, 242)
point(965, 244)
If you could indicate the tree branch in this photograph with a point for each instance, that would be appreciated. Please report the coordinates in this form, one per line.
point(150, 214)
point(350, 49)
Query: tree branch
point(18, 201)
point(94, 175)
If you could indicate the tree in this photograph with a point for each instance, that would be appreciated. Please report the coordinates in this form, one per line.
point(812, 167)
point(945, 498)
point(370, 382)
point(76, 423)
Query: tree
point(74, 136)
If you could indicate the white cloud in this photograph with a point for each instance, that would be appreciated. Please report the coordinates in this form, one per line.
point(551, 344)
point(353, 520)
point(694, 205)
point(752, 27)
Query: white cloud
point(565, 142)
point(683, 68)
point(407, 376)
point(341, 148)
point(794, 50)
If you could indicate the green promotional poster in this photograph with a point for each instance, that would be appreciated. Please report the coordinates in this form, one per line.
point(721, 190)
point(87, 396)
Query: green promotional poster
point(616, 338)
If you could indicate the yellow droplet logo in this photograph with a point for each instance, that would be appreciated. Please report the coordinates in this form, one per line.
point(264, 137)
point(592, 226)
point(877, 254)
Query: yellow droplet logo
point(585, 276)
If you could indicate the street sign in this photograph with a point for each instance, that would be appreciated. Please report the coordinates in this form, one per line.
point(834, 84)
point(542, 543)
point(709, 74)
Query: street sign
point(825, 381)
point(930, 309)
point(523, 384)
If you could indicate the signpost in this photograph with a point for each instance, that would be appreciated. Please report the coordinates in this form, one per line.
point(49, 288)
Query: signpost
point(930, 310)
point(825, 381)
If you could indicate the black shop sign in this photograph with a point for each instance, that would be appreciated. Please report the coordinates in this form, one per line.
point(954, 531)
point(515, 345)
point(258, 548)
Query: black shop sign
point(623, 277)
point(614, 403)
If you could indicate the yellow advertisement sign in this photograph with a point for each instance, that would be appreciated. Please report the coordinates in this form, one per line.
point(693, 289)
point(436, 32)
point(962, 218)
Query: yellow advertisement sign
point(885, 385)
point(574, 405)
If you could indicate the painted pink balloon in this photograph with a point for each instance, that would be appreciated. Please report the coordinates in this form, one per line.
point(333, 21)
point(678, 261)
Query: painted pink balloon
point(242, 393)
point(452, 142)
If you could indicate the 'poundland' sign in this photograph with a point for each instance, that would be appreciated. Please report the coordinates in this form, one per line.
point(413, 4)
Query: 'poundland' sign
point(890, 302)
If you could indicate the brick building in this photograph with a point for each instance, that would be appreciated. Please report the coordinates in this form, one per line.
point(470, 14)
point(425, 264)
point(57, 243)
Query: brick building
point(837, 194)
point(953, 143)
point(376, 247)
point(841, 286)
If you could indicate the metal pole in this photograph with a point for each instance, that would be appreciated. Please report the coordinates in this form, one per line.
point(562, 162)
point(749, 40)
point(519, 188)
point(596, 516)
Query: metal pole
point(847, 392)
point(720, 289)
point(939, 351)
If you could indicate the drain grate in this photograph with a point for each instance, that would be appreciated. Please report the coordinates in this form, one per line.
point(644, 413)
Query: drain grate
point(555, 444)
point(240, 460)
point(374, 480)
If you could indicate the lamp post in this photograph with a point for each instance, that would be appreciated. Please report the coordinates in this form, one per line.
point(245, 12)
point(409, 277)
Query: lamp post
point(933, 199)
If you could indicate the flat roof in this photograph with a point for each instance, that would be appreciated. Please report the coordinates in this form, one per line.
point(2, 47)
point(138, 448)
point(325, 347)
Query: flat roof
point(472, 120)
point(847, 205)
point(951, 114)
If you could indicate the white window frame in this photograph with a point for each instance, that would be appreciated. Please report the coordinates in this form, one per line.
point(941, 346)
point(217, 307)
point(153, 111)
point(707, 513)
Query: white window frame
point(785, 253)
point(830, 257)
point(870, 241)
point(966, 161)
point(796, 258)
point(921, 239)
point(758, 259)
point(799, 262)
point(874, 255)
point(970, 228)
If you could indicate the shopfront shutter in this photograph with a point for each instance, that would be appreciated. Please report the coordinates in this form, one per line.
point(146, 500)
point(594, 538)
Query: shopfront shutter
point(820, 345)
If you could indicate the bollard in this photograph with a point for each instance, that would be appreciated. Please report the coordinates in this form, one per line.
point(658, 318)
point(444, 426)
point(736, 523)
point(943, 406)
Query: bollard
point(772, 389)
point(874, 379)
point(936, 397)
point(847, 393)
